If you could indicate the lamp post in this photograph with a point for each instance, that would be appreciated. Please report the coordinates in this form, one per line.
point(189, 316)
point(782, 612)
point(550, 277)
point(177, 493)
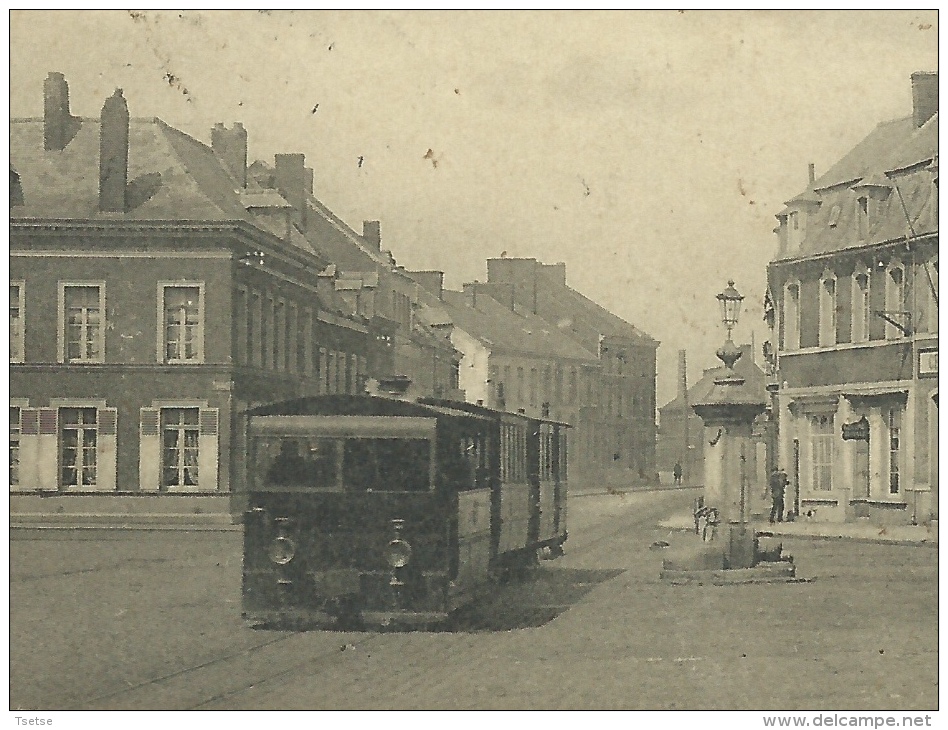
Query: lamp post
point(728, 410)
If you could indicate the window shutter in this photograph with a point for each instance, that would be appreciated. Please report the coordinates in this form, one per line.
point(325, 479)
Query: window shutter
point(149, 455)
point(29, 448)
point(208, 449)
point(107, 448)
point(48, 456)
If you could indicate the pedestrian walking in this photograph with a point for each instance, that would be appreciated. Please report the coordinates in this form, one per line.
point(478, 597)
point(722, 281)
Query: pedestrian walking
point(677, 472)
point(778, 484)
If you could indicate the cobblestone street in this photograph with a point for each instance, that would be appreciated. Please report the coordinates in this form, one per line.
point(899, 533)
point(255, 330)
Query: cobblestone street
point(151, 620)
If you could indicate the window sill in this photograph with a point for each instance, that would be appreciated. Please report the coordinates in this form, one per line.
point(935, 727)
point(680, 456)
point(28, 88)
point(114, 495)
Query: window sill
point(893, 504)
point(828, 501)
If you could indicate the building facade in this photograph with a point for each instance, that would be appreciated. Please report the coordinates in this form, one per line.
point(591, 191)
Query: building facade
point(155, 295)
point(853, 294)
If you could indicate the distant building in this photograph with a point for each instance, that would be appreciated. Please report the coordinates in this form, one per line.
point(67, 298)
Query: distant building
point(609, 399)
point(514, 360)
point(853, 300)
point(155, 294)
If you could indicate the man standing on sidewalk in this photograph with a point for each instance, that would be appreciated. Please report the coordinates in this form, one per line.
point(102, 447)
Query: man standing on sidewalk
point(778, 483)
point(676, 472)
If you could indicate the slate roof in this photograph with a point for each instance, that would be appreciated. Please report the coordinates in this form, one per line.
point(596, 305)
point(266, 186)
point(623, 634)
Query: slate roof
point(893, 156)
point(503, 330)
point(171, 176)
point(745, 367)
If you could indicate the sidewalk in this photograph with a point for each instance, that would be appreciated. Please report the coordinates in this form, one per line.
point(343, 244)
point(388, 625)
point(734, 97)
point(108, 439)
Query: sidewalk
point(861, 531)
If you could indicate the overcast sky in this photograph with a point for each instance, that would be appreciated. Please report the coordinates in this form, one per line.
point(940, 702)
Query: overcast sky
point(649, 151)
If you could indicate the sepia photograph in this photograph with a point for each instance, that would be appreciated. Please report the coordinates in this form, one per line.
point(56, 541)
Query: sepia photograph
point(474, 360)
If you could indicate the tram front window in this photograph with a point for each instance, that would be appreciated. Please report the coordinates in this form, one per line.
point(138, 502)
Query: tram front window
point(386, 465)
point(307, 463)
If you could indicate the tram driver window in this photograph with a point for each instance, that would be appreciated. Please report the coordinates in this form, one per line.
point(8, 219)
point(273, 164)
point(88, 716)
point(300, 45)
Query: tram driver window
point(299, 462)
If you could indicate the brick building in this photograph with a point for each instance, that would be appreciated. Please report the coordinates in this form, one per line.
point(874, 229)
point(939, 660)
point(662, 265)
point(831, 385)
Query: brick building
point(854, 294)
point(155, 293)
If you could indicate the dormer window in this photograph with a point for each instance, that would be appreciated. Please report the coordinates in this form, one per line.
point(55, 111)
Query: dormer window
point(834, 216)
point(795, 228)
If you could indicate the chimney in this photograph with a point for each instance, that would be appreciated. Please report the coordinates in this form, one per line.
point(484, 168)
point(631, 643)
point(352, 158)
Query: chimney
point(811, 173)
point(326, 284)
point(520, 275)
point(372, 234)
point(556, 272)
point(683, 377)
point(59, 126)
point(290, 179)
point(924, 96)
point(471, 291)
point(230, 146)
point(432, 281)
point(113, 154)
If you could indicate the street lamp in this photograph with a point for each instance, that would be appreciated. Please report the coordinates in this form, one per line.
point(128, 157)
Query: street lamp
point(730, 300)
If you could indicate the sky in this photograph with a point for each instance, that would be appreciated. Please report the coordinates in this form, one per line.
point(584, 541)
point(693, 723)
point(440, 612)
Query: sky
point(648, 150)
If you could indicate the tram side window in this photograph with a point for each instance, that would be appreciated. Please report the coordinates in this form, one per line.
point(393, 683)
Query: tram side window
point(387, 465)
point(309, 463)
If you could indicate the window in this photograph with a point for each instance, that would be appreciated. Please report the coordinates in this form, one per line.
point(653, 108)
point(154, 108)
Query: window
point(519, 386)
point(894, 421)
point(862, 217)
point(14, 446)
point(254, 345)
point(533, 386)
point(827, 310)
point(78, 439)
point(794, 231)
point(17, 331)
point(82, 308)
point(182, 330)
point(821, 441)
point(180, 432)
point(178, 447)
point(791, 316)
point(572, 389)
point(895, 300)
point(242, 328)
point(861, 315)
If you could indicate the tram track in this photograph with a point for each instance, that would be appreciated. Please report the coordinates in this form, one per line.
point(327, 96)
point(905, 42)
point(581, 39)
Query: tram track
point(214, 683)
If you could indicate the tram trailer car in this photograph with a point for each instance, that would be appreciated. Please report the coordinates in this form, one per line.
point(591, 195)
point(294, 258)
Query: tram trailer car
point(369, 510)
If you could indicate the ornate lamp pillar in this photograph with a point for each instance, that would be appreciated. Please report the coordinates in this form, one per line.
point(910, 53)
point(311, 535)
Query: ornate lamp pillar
point(728, 411)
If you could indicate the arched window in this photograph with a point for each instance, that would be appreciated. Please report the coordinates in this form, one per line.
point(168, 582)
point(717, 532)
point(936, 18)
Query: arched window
point(861, 312)
point(895, 299)
point(827, 309)
point(791, 316)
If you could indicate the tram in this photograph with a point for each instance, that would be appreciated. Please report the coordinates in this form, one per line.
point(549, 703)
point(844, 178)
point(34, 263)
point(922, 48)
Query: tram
point(367, 510)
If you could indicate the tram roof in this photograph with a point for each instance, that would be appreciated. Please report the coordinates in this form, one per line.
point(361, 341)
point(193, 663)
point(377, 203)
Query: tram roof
point(362, 405)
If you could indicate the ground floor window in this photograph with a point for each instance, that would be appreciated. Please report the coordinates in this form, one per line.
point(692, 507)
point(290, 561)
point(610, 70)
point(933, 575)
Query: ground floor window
point(894, 421)
point(78, 438)
point(14, 446)
point(180, 433)
point(821, 441)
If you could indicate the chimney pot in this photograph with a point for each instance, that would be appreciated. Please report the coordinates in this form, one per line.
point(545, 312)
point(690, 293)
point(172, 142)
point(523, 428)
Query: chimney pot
point(811, 173)
point(924, 96)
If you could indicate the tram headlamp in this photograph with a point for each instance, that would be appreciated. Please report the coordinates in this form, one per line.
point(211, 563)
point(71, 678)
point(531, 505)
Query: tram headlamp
point(282, 550)
point(398, 553)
